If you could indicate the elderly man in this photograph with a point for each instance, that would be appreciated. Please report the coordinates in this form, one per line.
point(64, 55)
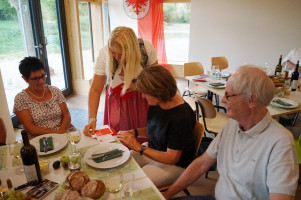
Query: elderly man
point(255, 155)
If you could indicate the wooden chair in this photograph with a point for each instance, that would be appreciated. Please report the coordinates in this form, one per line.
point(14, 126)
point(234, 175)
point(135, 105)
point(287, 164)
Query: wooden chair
point(221, 61)
point(191, 69)
point(198, 133)
point(213, 121)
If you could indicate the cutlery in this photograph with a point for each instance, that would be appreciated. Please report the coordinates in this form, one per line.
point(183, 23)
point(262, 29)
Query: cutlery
point(280, 102)
point(112, 152)
point(107, 157)
point(45, 144)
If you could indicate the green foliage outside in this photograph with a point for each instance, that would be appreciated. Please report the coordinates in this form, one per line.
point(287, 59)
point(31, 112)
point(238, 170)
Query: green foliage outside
point(176, 13)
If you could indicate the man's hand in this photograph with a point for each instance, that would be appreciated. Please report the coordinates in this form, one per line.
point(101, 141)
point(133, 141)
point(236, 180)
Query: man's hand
point(90, 128)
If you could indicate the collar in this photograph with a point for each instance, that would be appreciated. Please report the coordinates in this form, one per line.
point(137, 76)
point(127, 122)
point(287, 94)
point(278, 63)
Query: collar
point(259, 127)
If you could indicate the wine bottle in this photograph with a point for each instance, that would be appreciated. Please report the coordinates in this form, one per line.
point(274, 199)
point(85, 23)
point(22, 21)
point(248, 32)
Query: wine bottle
point(30, 160)
point(285, 70)
point(294, 78)
point(278, 69)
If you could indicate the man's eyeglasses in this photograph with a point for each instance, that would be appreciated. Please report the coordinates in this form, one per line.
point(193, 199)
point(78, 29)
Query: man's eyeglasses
point(38, 78)
point(232, 95)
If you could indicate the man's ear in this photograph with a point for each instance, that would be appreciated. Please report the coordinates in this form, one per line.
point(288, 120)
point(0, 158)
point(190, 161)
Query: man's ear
point(253, 100)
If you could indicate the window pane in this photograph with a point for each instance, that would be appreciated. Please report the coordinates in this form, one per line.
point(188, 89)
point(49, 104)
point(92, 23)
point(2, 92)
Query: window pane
point(16, 42)
point(176, 31)
point(86, 38)
point(54, 54)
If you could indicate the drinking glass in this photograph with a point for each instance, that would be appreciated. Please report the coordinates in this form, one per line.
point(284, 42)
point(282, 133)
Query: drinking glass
point(216, 72)
point(73, 136)
point(14, 151)
point(128, 185)
point(114, 181)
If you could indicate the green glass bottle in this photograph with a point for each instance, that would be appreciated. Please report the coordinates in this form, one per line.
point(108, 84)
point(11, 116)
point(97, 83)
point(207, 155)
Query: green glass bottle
point(278, 69)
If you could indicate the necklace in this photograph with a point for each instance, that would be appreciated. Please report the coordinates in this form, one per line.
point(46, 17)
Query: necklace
point(35, 95)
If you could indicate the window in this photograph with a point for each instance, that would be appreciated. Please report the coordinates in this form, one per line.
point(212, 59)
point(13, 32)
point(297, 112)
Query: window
point(84, 11)
point(176, 31)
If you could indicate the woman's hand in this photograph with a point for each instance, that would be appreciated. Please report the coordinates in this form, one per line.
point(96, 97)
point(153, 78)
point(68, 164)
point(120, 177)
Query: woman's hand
point(128, 139)
point(90, 128)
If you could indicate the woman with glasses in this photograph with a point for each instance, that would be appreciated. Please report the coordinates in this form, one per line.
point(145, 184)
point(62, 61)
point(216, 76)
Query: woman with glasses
point(40, 108)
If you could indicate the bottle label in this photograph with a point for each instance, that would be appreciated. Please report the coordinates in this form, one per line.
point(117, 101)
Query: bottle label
point(30, 172)
point(294, 84)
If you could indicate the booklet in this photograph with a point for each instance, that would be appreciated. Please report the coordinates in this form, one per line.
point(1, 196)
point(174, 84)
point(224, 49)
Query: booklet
point(40, 190)
point(104, 134)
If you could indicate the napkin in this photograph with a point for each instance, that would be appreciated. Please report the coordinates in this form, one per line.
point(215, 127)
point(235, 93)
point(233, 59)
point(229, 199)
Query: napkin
point(49, 146)
point(199, 80)
point(101, 157)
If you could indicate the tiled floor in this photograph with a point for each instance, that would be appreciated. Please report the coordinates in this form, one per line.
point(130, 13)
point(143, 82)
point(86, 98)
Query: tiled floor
point(203, 185)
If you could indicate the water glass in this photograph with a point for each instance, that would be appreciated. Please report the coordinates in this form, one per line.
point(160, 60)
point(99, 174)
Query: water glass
point(128, 185)
point(74, 161)
point(114, 181)
point(14, 150)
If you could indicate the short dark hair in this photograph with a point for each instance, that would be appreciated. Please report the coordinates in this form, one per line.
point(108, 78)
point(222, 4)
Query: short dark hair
point(30, 64)
point(158, 82)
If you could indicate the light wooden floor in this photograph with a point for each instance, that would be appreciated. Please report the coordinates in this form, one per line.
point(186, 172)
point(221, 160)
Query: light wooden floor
point(203, 186)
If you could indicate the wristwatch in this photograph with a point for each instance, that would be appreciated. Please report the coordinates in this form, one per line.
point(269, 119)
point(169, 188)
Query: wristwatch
point(142, 149)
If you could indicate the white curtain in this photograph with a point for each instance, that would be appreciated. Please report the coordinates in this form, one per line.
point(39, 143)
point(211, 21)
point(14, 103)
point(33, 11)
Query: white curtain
point(4, 114)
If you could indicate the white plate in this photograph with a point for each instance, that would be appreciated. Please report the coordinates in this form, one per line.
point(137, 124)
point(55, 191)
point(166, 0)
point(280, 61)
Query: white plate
point(294, 104)
point(225, 75)
point(105, 147)
point(59, 142)
point(218, 87)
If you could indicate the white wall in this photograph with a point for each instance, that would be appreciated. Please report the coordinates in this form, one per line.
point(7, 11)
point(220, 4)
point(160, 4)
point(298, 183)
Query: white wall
point(245, 31)
point(4, 114)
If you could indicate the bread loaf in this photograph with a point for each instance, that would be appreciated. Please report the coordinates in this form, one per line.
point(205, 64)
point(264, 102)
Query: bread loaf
point(76, 180)
point(93, 189)
point(68, 195)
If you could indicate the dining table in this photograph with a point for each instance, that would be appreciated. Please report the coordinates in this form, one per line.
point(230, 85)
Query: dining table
point(275, 111)
point(143, 186)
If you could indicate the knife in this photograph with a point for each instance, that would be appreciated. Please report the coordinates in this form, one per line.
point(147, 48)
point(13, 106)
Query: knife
point(25, 185)
point(45, 144)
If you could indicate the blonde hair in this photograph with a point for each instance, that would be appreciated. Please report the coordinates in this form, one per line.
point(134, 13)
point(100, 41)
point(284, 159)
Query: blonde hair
point(124, 40)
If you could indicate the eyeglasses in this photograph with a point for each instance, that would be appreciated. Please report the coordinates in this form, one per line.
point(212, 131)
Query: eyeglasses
point(232, 95)
point(38, 78)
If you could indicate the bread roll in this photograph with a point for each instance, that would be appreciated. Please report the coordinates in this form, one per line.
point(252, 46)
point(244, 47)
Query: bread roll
point(93, 189)
point(68, 195)
point(76, 180)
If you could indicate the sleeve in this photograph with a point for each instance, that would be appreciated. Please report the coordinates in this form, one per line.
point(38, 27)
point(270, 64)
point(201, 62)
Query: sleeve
point(214, 146)
point(100, 65)
point(151, 52)
point(283, 169)
point(20, 103)
point(60, 98)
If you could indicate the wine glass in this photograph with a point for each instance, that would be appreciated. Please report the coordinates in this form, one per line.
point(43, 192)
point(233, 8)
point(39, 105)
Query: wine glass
point(114, 181)
point(73, 136)
point(14, 151)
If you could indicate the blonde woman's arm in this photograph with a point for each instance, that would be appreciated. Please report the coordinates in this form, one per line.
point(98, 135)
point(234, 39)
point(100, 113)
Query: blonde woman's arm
point(97, 86)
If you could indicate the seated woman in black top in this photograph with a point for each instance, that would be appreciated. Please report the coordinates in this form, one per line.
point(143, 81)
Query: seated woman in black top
point(170, 124)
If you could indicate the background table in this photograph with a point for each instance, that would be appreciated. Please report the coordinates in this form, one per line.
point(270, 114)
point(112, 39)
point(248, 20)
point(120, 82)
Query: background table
point(143, 186)
point(274, 111)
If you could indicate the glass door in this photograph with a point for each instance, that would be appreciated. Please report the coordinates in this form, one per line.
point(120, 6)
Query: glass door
point(33, 28)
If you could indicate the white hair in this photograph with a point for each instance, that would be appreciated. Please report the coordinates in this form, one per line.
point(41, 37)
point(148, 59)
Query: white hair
point(249, 79)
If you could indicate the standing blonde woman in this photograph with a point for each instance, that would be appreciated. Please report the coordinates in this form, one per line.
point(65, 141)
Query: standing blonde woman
point(118, 65)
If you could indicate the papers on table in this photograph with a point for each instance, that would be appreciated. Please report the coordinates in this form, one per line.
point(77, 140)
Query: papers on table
point(104, 134)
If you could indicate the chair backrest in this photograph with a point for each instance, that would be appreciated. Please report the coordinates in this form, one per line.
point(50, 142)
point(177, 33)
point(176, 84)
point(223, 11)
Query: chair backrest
point(221, 61)
point(207, 107)
point(193, 68)
point(198, 133)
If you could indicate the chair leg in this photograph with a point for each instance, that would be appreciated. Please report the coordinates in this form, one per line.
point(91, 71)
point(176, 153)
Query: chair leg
point(187, 192)
point(295, 119)
point(206, 175)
